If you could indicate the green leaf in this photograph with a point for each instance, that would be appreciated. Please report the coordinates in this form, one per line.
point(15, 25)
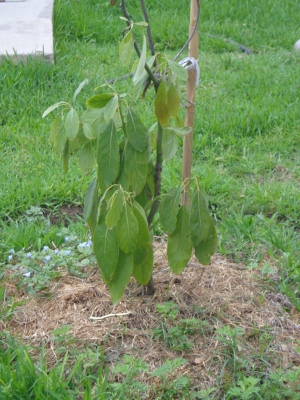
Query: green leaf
point(203, 231)
point(127, 230)
point(141, 65)
point(161, 104)
point(169, 145)
point(55, 129)
point(136, 168)
point(178, 70)
point(169, 208)
point(93, 122)
point(136, 131)
point(54, 106)
point(143, 252)
point(78, 90)
point(126, 48)
point(72, 124)
point(121, 277)
point(88, 131)
point(106, 249)
point(179, 247)
point(58, 135)
point(108, 158)
point(116, 205)
point(173, 101)
point(66, 156)
point(111, 108)
point(90, 209)
point(99, 100)
point(87, 158)
point(179, 131)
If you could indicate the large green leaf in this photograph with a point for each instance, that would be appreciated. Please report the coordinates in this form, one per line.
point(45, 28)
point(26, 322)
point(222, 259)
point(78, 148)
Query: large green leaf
point(72, 124)
point(203, 231)
point(136, 168)
point(161, 104)
point(173, 101)
point(99, 100)
point(93, 122)
point(121, 276)
point(143, 252)
point(106, 249)
point(58, 135)
point(111, 108)
point(53, 107)
point(169, 144)
point(178, 70)
point(141, 65)
point(116, 204)
point(136, 131)
point(127, 230)
point(179, 247)
point(108, 158)
point(126, 48)
point(169, 208)
point(90, 209)
point(87, 158)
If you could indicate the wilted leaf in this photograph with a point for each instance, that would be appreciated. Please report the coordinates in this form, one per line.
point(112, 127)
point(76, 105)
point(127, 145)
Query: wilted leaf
point(106, 249)
point(179, 247)
point(136, 168)
point(180, 131)
point(161, 104)
point(111, 108)
point(78, 90)
point(87, 158)
point(136, 131)
point(126, 48)
point(53, 107)
point(169, 208)
point(173, 101)
point(99, 100)
point(141, 65)
point(121, 277)
point(108, 156)
point(90, 197)
point(143, 252)
point(127, 230)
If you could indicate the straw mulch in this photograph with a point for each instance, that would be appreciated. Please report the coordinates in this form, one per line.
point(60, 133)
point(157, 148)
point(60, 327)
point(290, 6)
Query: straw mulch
point(221, 294)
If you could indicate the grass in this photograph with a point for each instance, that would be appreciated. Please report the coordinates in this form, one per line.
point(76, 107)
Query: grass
point(246, 143)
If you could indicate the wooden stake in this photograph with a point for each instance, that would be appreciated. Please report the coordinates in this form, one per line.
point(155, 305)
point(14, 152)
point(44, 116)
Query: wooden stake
point(190, 104)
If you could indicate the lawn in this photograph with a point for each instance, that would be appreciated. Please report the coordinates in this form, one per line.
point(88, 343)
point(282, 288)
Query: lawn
point(188, 341)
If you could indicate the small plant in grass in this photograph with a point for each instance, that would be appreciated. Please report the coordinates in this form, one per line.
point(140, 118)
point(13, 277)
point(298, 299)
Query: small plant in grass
point(124, 160)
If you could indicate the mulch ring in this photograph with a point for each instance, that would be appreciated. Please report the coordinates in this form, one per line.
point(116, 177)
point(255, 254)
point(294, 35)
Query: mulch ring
point(221, 294)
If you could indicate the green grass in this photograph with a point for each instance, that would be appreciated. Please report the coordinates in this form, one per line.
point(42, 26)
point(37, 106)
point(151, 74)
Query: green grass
point(246, 145)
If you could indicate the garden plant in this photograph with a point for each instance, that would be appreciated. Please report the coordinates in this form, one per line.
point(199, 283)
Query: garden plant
point(123, 159)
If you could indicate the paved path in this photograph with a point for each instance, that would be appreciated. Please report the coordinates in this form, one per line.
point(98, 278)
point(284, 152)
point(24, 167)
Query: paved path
point(26, 28)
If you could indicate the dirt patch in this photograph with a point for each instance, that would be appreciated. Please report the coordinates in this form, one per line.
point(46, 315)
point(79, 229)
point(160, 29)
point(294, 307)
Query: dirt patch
point(221, 294)
point(64, 214)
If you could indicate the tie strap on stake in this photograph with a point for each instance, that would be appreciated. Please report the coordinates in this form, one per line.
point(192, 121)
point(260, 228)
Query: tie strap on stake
point(190, 63)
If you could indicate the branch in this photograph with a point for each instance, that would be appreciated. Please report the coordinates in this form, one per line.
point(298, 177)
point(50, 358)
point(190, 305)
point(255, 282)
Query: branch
point(192, 34)
point(151, 44)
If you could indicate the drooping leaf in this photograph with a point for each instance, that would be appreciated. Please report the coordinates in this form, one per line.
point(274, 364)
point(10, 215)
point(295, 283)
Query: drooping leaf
point(178, 70)
point(127, 230)
point(121, 277)
point(99, 100)
point(90, 209)
point(136, 131)
point(203, 230)
point(143, 252)
point(169, 208)
point(106, 249)
point(136, 168)
point(55, 129)
point(141, 65)
point(111, 108)
point(161, 104)
point(169, 145)
point(126, 48)
point(140, 85)
point(108, 156)
point(58, 135)
point(173, 101)
point(116, 204)
point(78, 90)
point(88, 131)
point(179, 247)
point(72, 124)
point(66, 156)
point(180, 131)
point(93, 122)
point(87, 158)
point(53, 107)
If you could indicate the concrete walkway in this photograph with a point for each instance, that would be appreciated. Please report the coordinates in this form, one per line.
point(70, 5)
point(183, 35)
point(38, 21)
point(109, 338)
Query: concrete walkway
point(26, 29)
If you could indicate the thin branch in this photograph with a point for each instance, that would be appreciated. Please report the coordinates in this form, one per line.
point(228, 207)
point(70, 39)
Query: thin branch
point(151, 44)
point(192, 34)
